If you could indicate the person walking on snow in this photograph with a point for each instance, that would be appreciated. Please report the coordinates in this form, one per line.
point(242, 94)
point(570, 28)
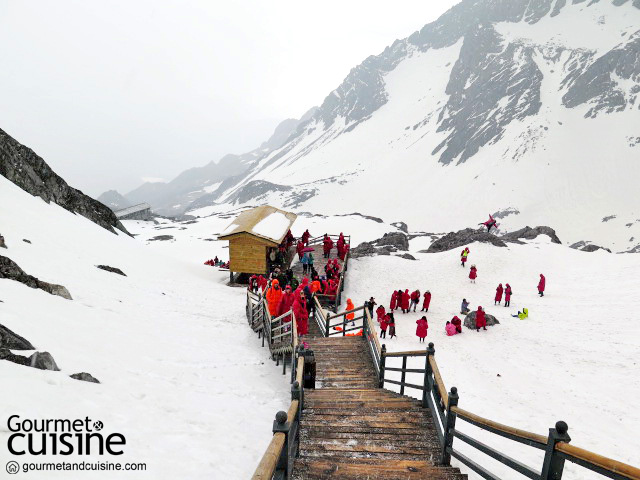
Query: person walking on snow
point(473, 273)
point(380, 313)
point(350, 316)
point(541, 285)
point(507, 295)
point(464, 255)
point(399, 299)
point(370, 304)
point(481, 321)
point(498, 298)
point(327, 246)
point(405, 301)
point(426, 301)
point(394, 300)
point(421, 329)
point(392, 326)
point(384, 324)
point(415, 299)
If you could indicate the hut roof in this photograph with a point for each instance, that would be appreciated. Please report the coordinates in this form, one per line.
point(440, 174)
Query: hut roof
point(266, 222)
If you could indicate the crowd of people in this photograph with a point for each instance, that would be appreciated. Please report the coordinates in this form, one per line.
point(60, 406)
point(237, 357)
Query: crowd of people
point(216, 262)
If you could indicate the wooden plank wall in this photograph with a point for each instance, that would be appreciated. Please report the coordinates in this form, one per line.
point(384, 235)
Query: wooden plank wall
point(247, 254)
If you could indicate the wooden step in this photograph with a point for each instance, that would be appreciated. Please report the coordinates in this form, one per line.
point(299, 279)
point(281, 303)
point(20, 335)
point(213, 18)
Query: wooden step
point(371, 469)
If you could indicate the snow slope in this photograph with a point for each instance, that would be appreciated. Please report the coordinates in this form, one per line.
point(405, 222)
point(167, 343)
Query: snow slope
point(574, 359)
point(183, 378)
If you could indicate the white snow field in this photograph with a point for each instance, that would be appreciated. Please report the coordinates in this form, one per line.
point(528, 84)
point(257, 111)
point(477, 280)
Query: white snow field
point(183, 377)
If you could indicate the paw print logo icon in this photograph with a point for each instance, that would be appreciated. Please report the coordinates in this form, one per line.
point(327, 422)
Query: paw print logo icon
point(97, 426)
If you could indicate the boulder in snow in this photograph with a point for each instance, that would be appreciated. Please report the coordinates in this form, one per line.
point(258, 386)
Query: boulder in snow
point(10, 339)
point(2, 244)
point(463, 238)
point(587, 247)
point(43, 361)
point(10, 270)
point(390, 242)
point(85, 377)
point(470, 320)
point(407, 256)
point(6, 354)
point(529, 233)
point(111, 269)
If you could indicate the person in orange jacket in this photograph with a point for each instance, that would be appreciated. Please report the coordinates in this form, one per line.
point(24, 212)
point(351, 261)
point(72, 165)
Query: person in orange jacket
point(274, 295)
point(350, 316)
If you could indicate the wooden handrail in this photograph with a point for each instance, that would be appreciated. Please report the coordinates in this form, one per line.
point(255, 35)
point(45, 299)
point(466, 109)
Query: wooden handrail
point(499, 426)
point(267, 465)
point(373, 331)
point(599, 460)
point(439, 382)
point(346, 312)
point(300, 370)
point(293, 410)
point(319, 308)
point(409, 353)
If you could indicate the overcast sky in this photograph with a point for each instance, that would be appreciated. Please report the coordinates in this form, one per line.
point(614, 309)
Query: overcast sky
point(114, 93)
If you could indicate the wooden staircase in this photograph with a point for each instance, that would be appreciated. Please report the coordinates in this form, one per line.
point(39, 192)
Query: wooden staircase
point(351, 429)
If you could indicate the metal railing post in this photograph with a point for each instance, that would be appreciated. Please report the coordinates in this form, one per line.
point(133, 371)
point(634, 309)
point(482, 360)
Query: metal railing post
point(404, 374)
point(327, 325)
point(554, 464)
point(364, 321)
point(344, 324)
point(449, 426)
point(427, 385)
point(383, 360)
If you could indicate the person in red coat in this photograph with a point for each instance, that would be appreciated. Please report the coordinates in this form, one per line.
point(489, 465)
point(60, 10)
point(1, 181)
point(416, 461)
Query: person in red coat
point(541, 285)
point(332, 289)
point(426, 301)
point(405, 301)
point(456, 322)
point(305, 236)
point(394, 301)
point(327, 245)
point(498, 298)
point(380, 313)
point(299, 249)
point(421, 329)
point(415, 299)
point(507, 295)
point(473, 273)
point(384, 323)
point(481, 321)
point(262, 282)
point(301, 314)
point(286, 302)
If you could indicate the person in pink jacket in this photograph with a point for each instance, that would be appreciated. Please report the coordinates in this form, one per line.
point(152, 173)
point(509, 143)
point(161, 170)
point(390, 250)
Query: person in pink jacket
point(421, 329)
point(450, 328)
point(498, 298)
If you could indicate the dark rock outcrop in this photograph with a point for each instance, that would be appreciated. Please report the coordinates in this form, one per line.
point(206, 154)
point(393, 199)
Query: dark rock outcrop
point(407, 256)
point(401, 226)
point(161, 238)
point(470, 320)
point(10, 270)
point(43, 361)
point(27, 170)
point(85, 377)
point(10, 339)
point(463, 238)
point(39, 360)
point(111, 269)
point(2, 244)
point(529, 233)
point(390, 242)
point(587, 247)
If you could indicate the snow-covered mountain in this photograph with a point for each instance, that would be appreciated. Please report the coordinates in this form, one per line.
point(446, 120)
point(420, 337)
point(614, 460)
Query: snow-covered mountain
point(526, 105)
point(114, 200)
point(174, 197)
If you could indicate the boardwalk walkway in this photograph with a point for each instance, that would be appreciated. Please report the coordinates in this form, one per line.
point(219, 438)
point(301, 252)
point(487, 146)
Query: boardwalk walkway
point(351, 429)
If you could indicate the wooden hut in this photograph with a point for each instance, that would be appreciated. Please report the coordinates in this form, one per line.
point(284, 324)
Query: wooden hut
point(252, 234)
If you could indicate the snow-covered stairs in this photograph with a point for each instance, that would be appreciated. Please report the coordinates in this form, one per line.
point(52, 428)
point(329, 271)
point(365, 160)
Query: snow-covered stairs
point(351, 429)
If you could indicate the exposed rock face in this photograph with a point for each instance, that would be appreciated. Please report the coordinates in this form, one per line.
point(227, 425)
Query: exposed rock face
point(111, 269)
point(85, 377)
point(401, 226)
point(2, 244)
point(587, 247)
point(390, 242)
point(43, 361)
point(27, 170)
point(463, 238)
point(10, 270)
point(529, 233)
point(39, 360)
point(407, 256)
point(470, 320)
point(161, 238)
point(10, 339)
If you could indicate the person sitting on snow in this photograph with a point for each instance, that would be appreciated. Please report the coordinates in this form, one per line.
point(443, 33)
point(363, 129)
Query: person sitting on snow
point(522, 315)
point(464, 308)
point(450, 329)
